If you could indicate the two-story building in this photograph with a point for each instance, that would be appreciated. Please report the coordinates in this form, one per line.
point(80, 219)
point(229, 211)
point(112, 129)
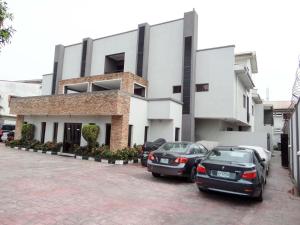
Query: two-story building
point(147, 83)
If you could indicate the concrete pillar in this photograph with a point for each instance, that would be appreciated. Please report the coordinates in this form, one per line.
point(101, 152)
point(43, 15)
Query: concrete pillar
point(190, 36)
point(57, 67)
point(19, 124)
point(119, 132)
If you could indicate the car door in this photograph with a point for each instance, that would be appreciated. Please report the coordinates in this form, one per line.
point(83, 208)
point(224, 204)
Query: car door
point(260, 166)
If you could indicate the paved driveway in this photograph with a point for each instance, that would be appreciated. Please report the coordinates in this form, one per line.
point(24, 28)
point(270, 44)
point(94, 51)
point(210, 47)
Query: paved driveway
point(43, 189)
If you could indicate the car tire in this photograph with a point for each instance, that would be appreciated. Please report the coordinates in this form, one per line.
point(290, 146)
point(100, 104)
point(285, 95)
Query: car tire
point(202, 189)
point(193, 174)
point(155, 174)
point(260, 197)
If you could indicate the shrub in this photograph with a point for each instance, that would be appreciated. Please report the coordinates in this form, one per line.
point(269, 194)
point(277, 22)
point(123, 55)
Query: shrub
point(90, 133)
point(51, 146)
point(27, 132)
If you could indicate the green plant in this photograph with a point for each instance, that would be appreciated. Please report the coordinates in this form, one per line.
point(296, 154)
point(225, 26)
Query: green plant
point(51, 146)
point(90, 133)
point(6, 30)
point(27, 132)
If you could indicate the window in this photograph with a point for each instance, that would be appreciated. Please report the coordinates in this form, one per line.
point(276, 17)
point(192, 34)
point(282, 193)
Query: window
point(252, 110)
point(187, 68)
point(139, 90)
point(244, 101)
point(177, 89)
point(229, 129)
point(43, 130)
point(55, 128)
point(114, 63)
point(202, 87)
point(146, 134)
point(177, 131)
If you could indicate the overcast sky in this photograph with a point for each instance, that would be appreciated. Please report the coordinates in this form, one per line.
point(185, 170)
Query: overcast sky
point(271, 28)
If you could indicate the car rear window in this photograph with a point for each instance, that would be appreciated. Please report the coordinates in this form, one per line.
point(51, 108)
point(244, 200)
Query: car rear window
point(175, 147)
point(8, 127)
point(230, 156)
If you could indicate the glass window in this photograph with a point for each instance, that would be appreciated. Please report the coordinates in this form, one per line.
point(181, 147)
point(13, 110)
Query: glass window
point(176, 89)
point(175, 147)
point(230, 156)
point(202, 87)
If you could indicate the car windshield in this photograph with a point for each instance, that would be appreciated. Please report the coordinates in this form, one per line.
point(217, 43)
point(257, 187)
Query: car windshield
point(175, 147)
point(230, 156)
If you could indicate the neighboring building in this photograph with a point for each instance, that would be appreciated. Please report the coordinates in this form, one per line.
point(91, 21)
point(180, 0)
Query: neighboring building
point(280, 111)
point(143, 84)
point(9, 89)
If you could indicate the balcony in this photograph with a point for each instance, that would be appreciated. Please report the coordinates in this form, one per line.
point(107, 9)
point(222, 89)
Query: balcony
point(243, 73)
point(113, 102)
point(164, 108)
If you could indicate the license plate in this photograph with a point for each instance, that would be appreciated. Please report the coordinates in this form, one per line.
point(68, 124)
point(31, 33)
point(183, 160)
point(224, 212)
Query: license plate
point(163, 160)
point(223, 174)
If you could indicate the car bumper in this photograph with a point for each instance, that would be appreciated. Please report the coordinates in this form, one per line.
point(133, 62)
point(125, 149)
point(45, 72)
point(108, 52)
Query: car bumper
point(166, 169)
point(245, 188)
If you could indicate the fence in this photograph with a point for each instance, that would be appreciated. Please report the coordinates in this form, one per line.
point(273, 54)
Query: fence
point(294, 150)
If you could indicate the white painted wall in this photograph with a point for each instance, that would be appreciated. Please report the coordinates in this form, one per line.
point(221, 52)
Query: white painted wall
point(294, 146)
point(47, 84)
point(72, 61)
point(126, 42)
point(138, 118)
point(19, 89)
point(161, 129)
point(37, 120)
point(215, 67)
point(165, 59)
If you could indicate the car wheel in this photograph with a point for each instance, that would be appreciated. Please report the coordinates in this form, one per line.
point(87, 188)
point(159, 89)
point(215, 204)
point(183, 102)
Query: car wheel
point(260, 197)
point(192, 176)
point(202, 189)
point(156, 174)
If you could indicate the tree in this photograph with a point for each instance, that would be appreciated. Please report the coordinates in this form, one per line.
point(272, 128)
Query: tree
point(6, 31)
point(90, 133)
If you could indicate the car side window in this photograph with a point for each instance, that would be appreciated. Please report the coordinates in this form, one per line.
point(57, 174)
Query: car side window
point(202, 150)
point(195, 150)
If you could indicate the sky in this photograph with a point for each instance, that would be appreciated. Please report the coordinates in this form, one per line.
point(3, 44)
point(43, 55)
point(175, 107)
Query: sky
point(268, 27)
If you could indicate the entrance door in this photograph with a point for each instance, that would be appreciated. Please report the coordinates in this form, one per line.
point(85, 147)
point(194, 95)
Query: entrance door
point(107, 134)
point(72, 136)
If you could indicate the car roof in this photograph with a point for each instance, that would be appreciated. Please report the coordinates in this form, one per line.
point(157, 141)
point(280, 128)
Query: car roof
point(179, 142)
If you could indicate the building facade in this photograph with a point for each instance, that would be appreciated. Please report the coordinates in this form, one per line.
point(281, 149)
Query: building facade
point(148, 83)
point(10, 89)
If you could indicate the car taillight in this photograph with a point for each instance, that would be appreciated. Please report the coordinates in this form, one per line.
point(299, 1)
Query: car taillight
point(181, 160)
point(151, 156)
point(201, 169)
point(249, 175)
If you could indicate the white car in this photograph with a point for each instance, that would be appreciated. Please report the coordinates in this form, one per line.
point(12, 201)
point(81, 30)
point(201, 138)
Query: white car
point(263, 153)
point(4, 136)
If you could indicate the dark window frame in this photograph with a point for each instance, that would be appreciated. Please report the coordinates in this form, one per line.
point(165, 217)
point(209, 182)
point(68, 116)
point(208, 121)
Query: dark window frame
point(177, 133)
point(244, 101)
point(55, 131)
point(43, 131)
point(203, 87)
point(176, 89)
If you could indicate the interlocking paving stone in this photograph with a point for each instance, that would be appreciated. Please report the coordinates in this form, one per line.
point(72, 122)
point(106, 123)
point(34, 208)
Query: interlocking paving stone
point(46, 189)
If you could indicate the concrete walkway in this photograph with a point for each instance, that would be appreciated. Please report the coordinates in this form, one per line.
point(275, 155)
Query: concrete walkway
point(42, 189)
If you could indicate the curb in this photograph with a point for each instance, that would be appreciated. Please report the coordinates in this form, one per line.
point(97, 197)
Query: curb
point(103, 161)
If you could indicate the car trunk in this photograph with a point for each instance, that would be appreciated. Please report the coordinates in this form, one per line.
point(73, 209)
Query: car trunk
point(166, 158)
point(226, 170)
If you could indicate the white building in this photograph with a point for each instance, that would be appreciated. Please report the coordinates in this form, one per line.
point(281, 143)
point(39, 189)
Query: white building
point(9, 89)
point(143, 84)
